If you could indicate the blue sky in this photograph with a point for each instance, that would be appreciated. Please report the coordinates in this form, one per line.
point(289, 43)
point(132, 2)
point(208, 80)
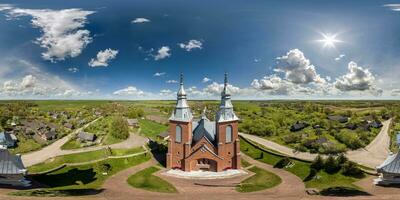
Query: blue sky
point(137, 49)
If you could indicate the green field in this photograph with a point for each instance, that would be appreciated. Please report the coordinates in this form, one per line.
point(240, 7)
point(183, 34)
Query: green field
point(80, 179)
point(80, 157)
point(261, 180)
point(321, 181)
point(151, 129)
point(146, 180)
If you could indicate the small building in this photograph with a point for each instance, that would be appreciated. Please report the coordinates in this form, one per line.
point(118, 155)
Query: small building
point(164, 135)
point(69, 126)
point(49, 135)
point(376, 124)
point(298, 126)
point(351, 126)
point(133, 122)
point(12, 170)
point(389, 170)
point(85, 136)
point(341, 119)
point(6, 141)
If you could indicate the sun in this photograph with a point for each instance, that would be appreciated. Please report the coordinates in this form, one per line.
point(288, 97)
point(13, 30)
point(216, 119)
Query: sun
point(329, 40)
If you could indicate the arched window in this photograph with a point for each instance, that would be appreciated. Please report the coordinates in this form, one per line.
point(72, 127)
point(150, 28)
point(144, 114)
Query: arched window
point(178, 134)
point(228, 134)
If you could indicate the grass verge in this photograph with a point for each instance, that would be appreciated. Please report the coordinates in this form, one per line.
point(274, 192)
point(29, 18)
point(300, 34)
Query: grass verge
point(261, 180)
point(146, 180)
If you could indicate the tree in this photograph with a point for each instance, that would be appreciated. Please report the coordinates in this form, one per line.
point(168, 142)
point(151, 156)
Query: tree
point(341, 159)
point(351, 169)
point(331, 165)
point(118, 128)
point(318, 163)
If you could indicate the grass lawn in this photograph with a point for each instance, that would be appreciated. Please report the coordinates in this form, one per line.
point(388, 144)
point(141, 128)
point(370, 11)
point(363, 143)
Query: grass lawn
point(244, 163)
point(150, 128)
point(147, 181)
point(26, 145)
point(121, 152)
point(326, 181)
point(70, 158)
point(261, 180)
point(302, 169)
point(71, 144)
point(81, 178)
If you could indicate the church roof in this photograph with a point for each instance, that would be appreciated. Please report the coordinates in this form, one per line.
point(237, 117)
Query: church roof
point(10, 164)
point(204, 128)
point(391, 164)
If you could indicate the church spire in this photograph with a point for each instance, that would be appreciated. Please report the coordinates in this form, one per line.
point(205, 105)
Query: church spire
point(225, 112)
point(182, 111)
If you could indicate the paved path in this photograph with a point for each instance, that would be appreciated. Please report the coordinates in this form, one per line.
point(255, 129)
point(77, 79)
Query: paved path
point(54, 149)
point(370, 156)
point(376, 152)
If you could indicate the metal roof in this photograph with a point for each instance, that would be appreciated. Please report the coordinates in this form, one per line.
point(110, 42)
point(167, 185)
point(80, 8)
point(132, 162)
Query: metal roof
point(10, 164)
point(204, 128)
point(391, 164)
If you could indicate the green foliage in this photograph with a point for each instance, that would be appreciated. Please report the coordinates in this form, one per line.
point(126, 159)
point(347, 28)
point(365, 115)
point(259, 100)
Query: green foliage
point(318, 163)
point(331, 165)
point(261, 180)
point(282, 163)
point(134, 112)
point(350, 168)
point(146, 180)
point(150, 128)
point(118, 128)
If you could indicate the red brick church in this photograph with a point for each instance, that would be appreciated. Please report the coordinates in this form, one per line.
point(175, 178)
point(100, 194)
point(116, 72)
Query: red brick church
point(203, 144)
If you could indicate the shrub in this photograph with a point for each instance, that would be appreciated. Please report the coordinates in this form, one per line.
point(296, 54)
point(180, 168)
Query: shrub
point(119, 128)
point(331, 165)
point(350, 168)
point(311, 175)
point(318, 163)
point(341, 159)
point(282, 162)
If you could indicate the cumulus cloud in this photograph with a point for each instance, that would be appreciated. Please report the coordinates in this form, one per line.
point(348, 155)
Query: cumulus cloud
point(63, 33)
point(171, 81)
point(357, 78)
point(159, 74)
point(216, 88)
point(206, 80)
point(103, 57)
point(73, 69)
point(163, 52)
point(340, 57)
point(191, 44)
point(297, 68)
point(395, 92)
point(129, 91)
point(274, 84)
point(166, 92)
point(140, 20)
point(393, 6)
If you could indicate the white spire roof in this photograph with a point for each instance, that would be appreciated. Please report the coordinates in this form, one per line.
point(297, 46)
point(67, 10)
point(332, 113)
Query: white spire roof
point(225, 112)
point(182, 111)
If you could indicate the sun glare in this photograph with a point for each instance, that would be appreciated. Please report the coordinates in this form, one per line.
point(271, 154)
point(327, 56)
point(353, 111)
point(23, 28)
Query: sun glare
point(329, 40)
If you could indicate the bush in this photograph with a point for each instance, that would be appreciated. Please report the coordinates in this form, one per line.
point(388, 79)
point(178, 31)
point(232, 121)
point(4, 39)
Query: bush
point(318, 163)
point(350, 168)
point(282, 163)
point(331, 165)
point(119, 128)
point(311, 175)
point(341, 159)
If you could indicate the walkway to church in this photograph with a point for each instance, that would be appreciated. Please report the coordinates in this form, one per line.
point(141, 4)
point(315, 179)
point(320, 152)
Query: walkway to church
point(371, 156)
point(54, 149)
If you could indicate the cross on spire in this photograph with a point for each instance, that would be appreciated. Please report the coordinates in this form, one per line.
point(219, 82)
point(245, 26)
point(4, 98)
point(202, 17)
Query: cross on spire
point(181, 79)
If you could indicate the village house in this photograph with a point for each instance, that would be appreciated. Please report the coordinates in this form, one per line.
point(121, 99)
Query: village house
point(203, 145)
point(298, 126)
point(133, 122)
point(163, 135)
point(85, 136)
point(339, 118)
point(48, 135)
point(12, 170)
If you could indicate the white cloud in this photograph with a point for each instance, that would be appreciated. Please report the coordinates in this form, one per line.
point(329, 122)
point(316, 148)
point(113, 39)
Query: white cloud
point(163, 52)
point(340, 57)
point(171, 81)
point(63, 33)
point(356, 78)
point(159, 74)
point(205, 80)
point(103, 57)
point(395, 92)
point(216, 89)
point(393, 6)
point(140, 20)
point(192, 44)
point(166, 92)
point(129, 91)
point(274, 84)
point(256, 60)
point(73, 69)
point(297, 68)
